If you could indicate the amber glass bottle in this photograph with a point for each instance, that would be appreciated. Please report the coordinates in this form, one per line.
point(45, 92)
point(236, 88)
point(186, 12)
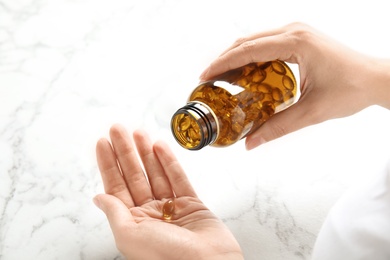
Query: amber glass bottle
point(225, 109)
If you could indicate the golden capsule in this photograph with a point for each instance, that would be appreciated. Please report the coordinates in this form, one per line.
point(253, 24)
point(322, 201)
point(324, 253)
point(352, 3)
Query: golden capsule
point(288, 98)
point(277, 94)
point(198, 95)
point(209, 94)
point(268, 97)
point(269, 107)
point(195, 126)
point(288, 83)
point(243, 82)
point(168, 209)
point(259, 75)
point(185, 123)
point(278, 67)
point(264, 88)
point(247, 70)
point(193, 135)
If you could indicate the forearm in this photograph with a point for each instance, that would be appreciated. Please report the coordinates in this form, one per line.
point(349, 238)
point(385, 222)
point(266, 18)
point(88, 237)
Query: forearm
point(378, 83)
point(230, 256)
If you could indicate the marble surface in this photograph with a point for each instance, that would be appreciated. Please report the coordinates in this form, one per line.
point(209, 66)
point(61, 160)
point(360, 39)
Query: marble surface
point(69, 69)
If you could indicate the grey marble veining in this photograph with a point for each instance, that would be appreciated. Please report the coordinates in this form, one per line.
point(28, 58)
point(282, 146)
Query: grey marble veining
point(70, 69)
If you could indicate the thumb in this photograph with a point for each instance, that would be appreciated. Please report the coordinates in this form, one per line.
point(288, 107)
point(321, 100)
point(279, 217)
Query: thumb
point(292, 119)
point(116, 211)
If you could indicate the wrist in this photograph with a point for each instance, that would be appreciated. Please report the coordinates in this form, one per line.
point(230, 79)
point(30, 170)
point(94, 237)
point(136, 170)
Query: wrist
point(384, 88)
point(379, 86)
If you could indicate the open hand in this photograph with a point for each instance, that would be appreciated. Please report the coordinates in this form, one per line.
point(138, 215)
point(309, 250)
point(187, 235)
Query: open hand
point(135, 198)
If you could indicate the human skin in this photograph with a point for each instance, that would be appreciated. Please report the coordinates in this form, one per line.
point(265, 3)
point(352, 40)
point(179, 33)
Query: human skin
point(335, 81)
point(134, 199)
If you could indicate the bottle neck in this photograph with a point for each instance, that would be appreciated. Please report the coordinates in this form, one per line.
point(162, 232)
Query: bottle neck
point(195, 125)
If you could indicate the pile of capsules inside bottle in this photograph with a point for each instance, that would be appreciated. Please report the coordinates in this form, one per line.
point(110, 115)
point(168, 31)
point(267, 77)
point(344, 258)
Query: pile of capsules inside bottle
point(266, 88)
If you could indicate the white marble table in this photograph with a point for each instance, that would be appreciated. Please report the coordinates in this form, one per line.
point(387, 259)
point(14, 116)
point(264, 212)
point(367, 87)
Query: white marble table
point(70, 69)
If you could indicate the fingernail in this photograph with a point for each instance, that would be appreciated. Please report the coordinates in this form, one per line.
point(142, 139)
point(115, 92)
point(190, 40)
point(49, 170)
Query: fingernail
point(97, 202)
point(254, 142)
point(204, 73)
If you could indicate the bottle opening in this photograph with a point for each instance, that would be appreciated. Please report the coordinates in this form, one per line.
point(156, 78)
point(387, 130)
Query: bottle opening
point(186, 130)
point(194, 126)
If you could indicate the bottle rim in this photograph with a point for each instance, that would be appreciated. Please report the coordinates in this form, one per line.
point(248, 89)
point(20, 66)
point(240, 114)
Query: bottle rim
point(206, 120)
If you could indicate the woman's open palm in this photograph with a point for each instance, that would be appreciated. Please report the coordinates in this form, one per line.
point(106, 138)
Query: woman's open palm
point(135, 198)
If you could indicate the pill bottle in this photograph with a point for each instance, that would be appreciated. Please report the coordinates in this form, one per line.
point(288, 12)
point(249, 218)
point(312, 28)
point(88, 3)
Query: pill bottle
point(221, 111)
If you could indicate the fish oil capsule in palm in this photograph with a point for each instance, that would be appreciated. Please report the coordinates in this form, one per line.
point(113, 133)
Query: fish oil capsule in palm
point(168, 209)
point(221, 111)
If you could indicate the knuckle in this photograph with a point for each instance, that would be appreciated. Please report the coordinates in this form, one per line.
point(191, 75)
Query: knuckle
point(117, 190)
point(240, 41)
point(249, 45)
point(298, 35)
point(297, 26)
point(300, 32)
point(248, 48)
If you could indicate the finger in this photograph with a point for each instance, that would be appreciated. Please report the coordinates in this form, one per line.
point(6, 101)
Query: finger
point(113, 181)
point(116, 211)
point(298, 116)
point(282, 43)
point(275, 47)
point(255, 36)
point(157, 178)
point(131, 169)
point(173, 170)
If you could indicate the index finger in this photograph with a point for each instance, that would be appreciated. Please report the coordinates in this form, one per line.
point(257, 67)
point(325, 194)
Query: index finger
point(254, 36)
point(278, 44)
point(276, 47)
